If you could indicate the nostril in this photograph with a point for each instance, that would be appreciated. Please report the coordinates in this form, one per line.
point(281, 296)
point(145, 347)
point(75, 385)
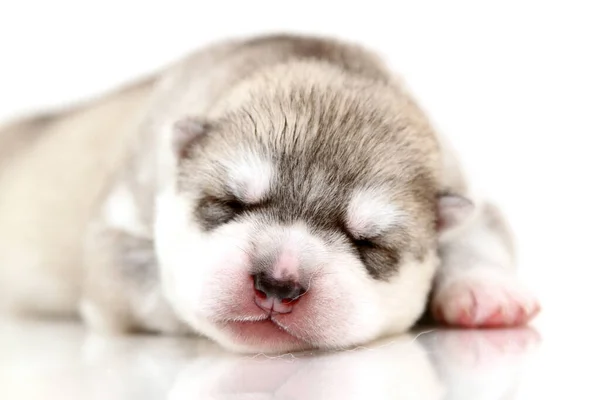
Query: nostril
point(288, 291)
point(293, 300)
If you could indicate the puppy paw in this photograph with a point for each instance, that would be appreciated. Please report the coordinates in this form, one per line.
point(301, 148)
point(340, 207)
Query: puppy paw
point(484, 301)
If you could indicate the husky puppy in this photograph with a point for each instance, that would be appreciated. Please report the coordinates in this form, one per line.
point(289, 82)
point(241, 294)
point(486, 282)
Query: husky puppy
point(272, 193)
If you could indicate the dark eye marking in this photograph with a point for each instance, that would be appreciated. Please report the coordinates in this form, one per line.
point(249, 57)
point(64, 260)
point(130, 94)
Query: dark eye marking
point(380, 259)
point(359, 243)
point(364, 243)
point(235, 205)
point(365, 248)
point(212, 212)
point(381, 263)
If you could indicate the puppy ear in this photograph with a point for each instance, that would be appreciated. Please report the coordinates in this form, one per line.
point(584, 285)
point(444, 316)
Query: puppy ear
point(186, 132)
point(452, 211)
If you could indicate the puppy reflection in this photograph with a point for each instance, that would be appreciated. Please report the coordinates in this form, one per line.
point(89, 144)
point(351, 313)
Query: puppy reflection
point(61, 362)
point(400, 366)
point(481, 365)
point(459, 365)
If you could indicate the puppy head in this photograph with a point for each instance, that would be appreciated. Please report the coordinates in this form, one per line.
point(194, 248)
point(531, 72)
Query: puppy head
point(302, 214)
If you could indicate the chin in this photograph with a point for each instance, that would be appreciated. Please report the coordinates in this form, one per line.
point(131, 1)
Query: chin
point(264, 336)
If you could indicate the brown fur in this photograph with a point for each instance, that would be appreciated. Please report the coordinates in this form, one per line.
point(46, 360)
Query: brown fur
point(331, 130)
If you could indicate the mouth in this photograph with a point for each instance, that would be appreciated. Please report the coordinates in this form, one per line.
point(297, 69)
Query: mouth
point(265, 334)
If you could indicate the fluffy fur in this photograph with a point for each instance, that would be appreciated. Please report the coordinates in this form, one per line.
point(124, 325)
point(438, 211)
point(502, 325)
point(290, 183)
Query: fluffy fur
point(299, 158)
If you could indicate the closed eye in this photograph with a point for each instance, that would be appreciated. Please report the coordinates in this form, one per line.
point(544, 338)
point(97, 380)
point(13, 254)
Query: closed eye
point(235, 205)
point(360, 243)
point(364, 243)
point(212, 211)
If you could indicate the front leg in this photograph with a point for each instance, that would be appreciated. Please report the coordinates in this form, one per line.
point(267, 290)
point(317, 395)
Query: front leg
point(122, 291)
point(477, 285)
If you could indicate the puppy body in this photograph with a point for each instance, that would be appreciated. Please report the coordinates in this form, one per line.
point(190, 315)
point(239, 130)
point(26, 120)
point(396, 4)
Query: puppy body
point(288, 157)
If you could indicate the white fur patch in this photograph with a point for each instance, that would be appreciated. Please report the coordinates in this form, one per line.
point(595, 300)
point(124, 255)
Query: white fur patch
point(371, 213)
point(249, 177)
point(191, 259)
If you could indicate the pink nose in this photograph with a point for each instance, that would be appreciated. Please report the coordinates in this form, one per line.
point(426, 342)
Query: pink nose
point(274, 295)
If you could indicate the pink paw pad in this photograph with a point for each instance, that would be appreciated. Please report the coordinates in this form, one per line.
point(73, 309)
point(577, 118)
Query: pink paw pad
point(477, 304)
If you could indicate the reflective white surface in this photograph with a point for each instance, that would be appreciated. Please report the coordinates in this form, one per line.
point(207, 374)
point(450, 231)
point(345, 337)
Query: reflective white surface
point(49, 360)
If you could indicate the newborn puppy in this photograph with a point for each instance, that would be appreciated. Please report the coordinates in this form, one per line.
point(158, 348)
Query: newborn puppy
point(274, 194)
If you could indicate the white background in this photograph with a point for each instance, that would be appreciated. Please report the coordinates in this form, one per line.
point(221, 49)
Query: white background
point(515, 84)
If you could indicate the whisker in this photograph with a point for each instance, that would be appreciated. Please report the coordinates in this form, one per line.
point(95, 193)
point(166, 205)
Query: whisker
point(310, 279)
